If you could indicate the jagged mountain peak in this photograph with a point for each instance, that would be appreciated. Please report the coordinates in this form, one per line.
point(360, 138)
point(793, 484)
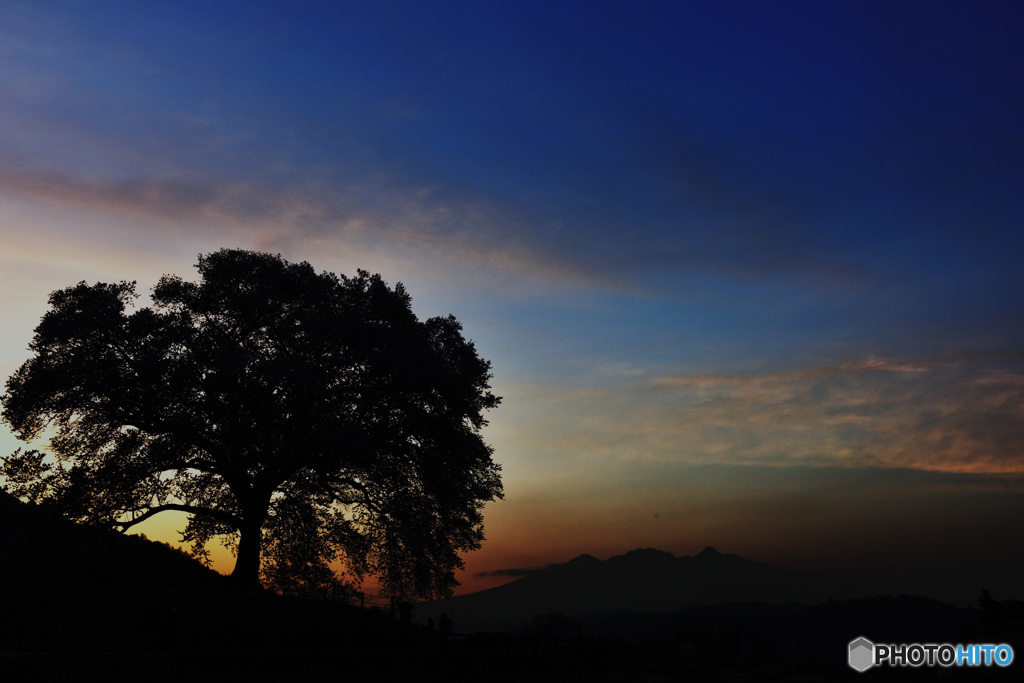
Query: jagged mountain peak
point(643, 555)
point(641, 580)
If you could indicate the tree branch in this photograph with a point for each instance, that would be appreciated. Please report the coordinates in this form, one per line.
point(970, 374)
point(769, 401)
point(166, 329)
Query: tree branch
point(358, 486)
point(178, 507)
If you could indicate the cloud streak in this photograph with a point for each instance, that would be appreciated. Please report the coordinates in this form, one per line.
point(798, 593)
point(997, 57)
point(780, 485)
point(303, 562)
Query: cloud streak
point(960, 412)
point(370, 216)
point(444, 222)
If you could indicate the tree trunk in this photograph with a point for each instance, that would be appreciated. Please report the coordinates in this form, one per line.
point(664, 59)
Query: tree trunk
point(246, 573)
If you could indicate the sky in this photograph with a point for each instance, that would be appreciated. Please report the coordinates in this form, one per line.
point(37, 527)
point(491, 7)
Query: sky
point(748, 273)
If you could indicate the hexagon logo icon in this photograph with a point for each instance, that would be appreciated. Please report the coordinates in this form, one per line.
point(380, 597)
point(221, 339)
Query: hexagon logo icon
point(862, 654)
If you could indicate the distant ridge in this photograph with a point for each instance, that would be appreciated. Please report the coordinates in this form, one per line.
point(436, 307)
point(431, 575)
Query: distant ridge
point(640, 580)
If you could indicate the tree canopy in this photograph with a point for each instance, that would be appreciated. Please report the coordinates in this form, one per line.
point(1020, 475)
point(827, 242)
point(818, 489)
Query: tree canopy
point(307, 416)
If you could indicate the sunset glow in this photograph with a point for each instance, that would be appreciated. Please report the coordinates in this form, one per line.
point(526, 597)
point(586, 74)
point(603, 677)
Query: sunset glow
point(749, 274)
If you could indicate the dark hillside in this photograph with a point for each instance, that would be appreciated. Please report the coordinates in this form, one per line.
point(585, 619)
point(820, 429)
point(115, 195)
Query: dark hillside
point(80, 603)
point(39, 548)
point(80, 600)
point(76, 596)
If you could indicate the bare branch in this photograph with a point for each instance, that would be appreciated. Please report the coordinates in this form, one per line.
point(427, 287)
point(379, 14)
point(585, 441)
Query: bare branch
point(178, 507)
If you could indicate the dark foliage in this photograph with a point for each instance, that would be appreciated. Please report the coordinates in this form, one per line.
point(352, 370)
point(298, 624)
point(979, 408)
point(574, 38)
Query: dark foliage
point(307, 416)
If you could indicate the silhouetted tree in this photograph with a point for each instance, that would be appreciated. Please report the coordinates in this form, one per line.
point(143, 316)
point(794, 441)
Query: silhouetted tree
point(309, 415)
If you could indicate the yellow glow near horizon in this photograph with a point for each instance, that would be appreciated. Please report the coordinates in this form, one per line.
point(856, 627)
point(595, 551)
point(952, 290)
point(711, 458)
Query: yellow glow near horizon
point(166, 528)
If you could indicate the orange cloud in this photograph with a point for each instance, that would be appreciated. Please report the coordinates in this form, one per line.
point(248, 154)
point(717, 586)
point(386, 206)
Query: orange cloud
point(958, 413)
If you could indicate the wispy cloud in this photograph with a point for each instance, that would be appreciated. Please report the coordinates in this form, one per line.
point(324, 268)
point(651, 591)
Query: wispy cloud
point(440, 221)
point(420, 222)
point(820, 372)
point(961, 412)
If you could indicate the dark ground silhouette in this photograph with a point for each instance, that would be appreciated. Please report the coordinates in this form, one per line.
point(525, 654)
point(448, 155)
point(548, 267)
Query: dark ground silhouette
point(642, 580)
point(80, 601)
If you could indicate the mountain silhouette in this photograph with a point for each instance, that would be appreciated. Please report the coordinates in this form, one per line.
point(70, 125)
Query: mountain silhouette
point(641, 580)
point(83, 602)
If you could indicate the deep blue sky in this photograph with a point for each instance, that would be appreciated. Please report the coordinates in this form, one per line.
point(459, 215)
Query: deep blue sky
point(777, 241)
